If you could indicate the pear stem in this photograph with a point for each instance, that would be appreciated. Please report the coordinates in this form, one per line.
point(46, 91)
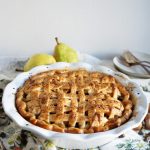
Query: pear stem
point(57, 41)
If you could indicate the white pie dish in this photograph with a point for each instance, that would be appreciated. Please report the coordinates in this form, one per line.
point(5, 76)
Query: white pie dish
point(67, 140)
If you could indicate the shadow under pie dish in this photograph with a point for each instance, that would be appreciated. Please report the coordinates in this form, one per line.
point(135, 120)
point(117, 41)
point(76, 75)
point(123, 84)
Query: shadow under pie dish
point(61, 100)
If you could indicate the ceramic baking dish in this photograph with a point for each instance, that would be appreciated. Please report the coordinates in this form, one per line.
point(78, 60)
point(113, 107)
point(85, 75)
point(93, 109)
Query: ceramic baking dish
point(68, 140)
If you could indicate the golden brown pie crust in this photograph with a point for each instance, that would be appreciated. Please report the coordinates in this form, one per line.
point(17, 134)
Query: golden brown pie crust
point(74, 101)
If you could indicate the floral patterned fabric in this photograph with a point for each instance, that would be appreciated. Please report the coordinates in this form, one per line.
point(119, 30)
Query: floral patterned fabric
point(13, 137)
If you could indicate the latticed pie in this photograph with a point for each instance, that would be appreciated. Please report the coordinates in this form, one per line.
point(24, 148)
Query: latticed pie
point(74, 101)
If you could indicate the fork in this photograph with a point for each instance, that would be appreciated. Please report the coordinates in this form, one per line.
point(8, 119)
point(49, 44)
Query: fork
point(130, 59)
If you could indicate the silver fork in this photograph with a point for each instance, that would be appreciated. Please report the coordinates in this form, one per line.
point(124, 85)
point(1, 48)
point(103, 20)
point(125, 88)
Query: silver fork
point(130, 59)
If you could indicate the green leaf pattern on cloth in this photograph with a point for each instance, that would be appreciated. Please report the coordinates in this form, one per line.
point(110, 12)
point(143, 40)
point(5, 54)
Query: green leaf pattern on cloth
point(133, 144)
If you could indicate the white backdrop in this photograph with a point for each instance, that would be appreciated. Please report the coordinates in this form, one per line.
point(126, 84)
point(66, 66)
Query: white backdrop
point(99, 27)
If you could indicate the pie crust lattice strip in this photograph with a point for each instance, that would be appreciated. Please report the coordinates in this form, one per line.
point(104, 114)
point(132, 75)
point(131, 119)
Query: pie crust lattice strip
point(74, 101)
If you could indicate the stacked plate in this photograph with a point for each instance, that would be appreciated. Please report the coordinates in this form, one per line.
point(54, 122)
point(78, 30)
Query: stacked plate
point(135, 70)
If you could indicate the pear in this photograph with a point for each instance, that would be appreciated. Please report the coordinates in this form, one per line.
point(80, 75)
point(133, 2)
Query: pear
point(39, 59)
point(64, 53)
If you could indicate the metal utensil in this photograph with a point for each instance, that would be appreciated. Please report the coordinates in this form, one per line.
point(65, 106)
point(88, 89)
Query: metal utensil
point(130, 59)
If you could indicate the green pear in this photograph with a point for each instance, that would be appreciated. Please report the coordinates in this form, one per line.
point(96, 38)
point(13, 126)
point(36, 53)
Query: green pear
point(64, 53)
point(39, 59)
